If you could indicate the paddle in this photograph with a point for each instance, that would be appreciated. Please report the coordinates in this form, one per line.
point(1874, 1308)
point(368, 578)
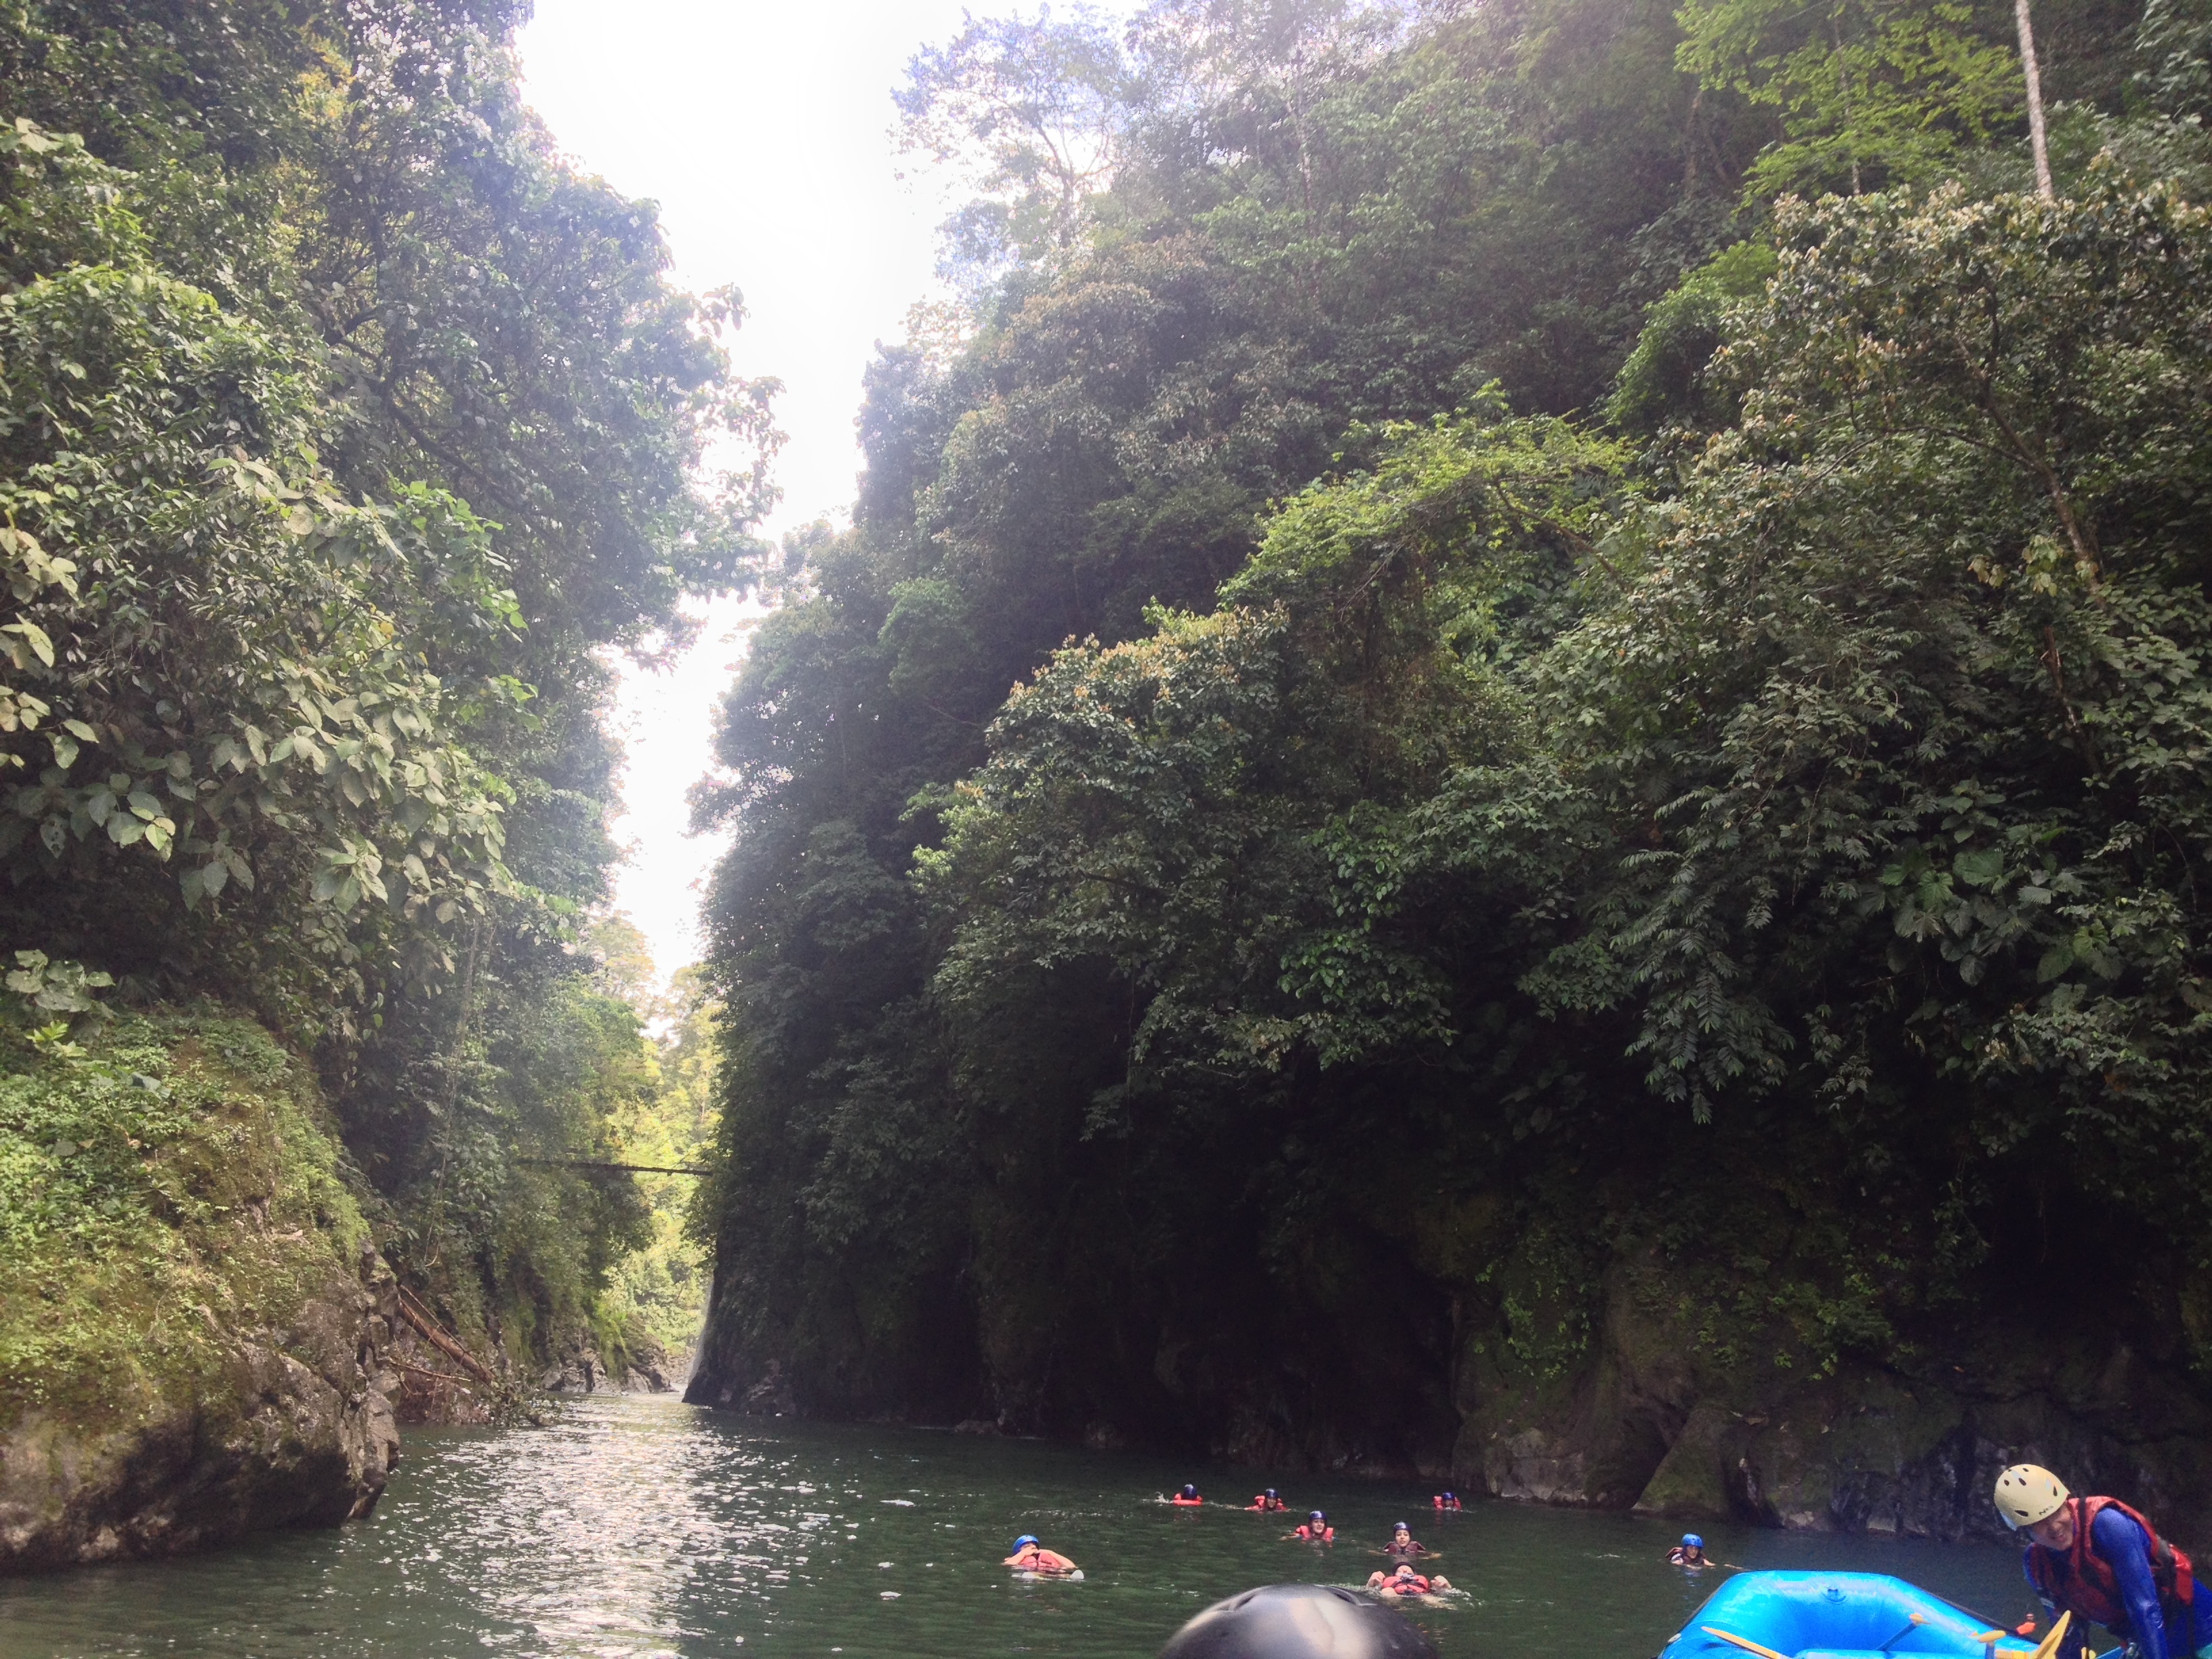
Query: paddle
point(1750, 1646)
point(2049, 1645)
point(1918, 1619)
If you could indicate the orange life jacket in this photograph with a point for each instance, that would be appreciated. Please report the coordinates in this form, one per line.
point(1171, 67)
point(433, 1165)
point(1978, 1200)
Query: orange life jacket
point(2080, 1579)
point(1187, 1503)
point(1326, 1535)
point(1260, 1502)
point(1415, 1585)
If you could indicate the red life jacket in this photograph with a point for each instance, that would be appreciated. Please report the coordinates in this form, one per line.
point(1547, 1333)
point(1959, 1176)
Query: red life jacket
point(1326, 1535)
point(1187, 1503)
point(1260, 1502)
point(2082, 1581)
point(1415, 1585)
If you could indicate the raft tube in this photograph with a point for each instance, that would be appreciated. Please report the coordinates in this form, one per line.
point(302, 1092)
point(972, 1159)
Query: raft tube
point(1837, 1615)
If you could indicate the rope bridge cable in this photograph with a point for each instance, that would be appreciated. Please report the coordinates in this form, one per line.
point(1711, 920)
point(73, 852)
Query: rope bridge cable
point(597, 1164)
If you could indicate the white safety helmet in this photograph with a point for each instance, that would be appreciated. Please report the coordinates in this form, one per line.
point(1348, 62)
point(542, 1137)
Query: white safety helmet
point(2027, 1494)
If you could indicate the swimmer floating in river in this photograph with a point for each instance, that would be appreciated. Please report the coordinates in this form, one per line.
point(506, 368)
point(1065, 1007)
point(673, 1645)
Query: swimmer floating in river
point(1404, 1581)
point(1691, 1553)
point(1188, 1498)
point(1029, 1556)
point(1316, 1530)
point(1447, 1503)
point(1269, 1499)
point(1402, 1542)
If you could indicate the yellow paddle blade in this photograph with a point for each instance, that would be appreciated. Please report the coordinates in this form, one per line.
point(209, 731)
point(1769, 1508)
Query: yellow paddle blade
point(2049, 1645)
point(1750, 1646)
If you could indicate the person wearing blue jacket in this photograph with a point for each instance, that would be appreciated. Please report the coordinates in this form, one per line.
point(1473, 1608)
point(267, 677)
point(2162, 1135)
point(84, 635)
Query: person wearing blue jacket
point(2104, 1563)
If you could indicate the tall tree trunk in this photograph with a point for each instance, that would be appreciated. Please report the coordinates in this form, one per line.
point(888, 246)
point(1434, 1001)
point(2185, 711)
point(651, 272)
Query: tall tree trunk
point(1690, 143)
point(2034, 100)
point(1843, 94)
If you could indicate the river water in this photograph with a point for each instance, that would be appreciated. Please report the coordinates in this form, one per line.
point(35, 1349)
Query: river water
point(639, 1527)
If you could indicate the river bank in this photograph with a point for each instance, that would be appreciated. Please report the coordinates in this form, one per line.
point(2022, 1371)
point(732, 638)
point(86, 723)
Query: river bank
point(199, 1338)
point(637, 1526)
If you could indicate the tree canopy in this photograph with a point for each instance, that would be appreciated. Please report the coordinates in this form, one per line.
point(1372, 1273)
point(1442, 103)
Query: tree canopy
point(1566, 642)
point(344, 428)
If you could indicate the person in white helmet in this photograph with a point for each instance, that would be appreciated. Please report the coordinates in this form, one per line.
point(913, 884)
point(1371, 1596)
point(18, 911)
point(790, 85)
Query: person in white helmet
point(2101, 1561)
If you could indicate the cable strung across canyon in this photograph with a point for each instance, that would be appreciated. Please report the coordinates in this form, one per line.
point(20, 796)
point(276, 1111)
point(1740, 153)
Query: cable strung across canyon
point(597, 1164)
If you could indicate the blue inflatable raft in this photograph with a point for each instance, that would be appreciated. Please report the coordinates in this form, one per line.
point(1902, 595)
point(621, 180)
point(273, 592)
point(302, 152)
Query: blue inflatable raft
point(1836, 1615)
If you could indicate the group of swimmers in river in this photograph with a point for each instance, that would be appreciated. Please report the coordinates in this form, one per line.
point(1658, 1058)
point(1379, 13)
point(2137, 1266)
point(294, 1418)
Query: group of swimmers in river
point(1401, 1581)
point(1444, 1503)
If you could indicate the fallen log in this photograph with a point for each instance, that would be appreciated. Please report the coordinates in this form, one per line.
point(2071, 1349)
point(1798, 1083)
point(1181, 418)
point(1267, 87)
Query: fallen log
point(412, 1309)
point(435, 1376)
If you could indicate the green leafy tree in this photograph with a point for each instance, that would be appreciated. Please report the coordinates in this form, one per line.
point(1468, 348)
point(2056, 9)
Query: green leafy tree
point(1868, 93)
point(1137, 809)
point(1108, 436)
point(1814, 818)
point(1032, 111)
point(1513, 873)
point(210, 714)
point(2176, 44)
point(345, 426)
point(2019, 796)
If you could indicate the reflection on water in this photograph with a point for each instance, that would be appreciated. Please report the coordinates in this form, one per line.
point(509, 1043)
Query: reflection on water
point(642, 1526)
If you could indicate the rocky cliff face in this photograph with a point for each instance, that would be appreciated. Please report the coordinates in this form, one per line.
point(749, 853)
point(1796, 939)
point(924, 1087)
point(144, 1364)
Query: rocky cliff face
point(767, 1395)
point(578, 1368)
point(1632, 1382)
point(1652, 1419)
point(195, 1326)
point(296, 1427)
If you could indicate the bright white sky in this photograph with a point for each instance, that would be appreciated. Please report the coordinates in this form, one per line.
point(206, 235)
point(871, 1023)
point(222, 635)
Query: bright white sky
point(762, 132)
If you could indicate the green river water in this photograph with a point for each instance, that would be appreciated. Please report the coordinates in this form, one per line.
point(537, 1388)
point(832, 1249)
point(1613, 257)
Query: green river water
point(639, 1526)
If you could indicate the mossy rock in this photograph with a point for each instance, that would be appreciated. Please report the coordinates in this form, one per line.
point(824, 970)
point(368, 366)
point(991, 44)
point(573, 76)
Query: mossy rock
point(191, 1344)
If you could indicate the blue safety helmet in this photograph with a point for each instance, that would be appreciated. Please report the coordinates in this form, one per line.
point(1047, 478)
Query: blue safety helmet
point(1451, 1497)
point(1691, 1541)
point(1400, 1526)
point(1317, 1516)
point(1190, 1492)
point(1023, 1543)
point(1272, 1493)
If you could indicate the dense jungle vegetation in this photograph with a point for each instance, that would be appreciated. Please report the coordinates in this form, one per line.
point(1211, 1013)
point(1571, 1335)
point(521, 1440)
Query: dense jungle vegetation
point(1504, 647)
point(345, 430)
